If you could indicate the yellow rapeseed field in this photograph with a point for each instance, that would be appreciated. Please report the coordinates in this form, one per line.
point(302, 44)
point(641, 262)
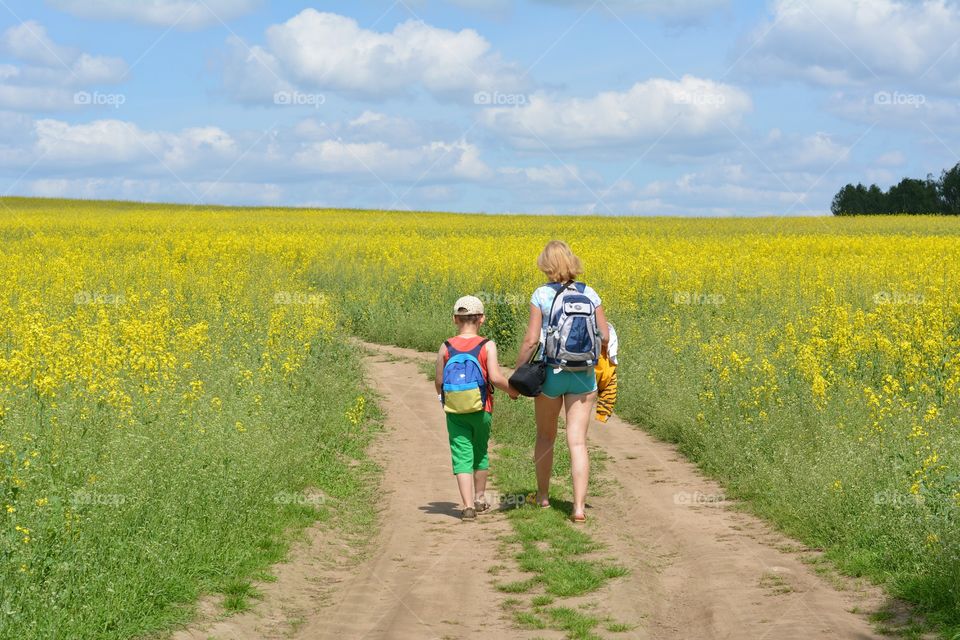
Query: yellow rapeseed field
point(812, 365)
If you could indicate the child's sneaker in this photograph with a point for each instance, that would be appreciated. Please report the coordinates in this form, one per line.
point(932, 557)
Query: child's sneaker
point(468, 515)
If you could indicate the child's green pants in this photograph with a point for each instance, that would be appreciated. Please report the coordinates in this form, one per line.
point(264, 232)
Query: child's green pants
point(469, 433)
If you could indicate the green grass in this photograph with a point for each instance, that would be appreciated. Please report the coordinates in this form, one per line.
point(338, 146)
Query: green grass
point(198, 513)
point(542, 601)
point(577, 625)
point(527, 620)
point(237, 595)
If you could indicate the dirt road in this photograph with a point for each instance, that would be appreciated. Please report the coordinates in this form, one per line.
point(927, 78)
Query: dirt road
point(698, 569)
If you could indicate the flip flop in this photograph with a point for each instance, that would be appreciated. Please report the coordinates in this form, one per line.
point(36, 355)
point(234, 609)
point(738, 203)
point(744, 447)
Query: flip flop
point(578, 519)
point(543, 504)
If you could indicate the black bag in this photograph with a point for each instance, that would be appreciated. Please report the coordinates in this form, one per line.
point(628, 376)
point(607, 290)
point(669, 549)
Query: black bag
point(528, 379)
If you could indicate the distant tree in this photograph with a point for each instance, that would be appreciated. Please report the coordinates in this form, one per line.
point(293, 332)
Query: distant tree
point(914, 196)
point(846, 202)
point(950, 191)
point(876, 201)
point(910, 196)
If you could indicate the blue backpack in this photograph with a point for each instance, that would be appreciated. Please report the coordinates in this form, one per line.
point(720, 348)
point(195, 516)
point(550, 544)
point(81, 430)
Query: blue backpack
point(465, 388)
point(572, 340)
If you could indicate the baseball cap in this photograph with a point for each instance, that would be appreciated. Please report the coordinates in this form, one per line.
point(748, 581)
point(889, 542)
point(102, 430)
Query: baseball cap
point(468, 306)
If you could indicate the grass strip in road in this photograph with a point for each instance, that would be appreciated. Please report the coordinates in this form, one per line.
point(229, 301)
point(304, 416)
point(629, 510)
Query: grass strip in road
point(559, 561)
point(562, 561)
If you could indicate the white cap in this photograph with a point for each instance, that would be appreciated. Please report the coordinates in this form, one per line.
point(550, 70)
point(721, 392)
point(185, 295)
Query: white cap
point(468, 306)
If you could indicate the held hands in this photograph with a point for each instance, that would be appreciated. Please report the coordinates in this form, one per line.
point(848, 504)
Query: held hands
point(513, 393)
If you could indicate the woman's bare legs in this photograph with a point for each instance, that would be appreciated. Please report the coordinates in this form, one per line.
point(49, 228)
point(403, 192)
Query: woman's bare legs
point(548, 412)
point(579, 409)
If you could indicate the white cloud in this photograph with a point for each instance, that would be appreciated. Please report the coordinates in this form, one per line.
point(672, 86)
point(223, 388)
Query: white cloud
point(483, 5)
point(373, 126)
point(672, 11)
point(51, 74)
point(98, 143)
point(674, 110)
point(377, 126)
point(327, 51)
point(548, 176)
point(882, 177)
point(19, 98)
point(815, 152)
point(379, 161)
point(113, 151)
point(313, 163)
point(898, 110)
point(832, 43)
point(185, 14)
point(892, 159)
point(30, 43)
point(725, 190)
point(155, 190)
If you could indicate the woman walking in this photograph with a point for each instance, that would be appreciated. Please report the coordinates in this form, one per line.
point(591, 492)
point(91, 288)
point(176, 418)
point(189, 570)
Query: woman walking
point(573, 391)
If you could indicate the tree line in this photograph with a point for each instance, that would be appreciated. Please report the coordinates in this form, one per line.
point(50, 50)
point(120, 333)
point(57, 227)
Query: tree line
point(912, 196)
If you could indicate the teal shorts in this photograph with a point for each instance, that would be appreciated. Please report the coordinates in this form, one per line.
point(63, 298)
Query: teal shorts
point(561, 383)
point(469, 434)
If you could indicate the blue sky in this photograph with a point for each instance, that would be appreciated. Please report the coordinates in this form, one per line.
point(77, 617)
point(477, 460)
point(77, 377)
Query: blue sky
point(692, 107)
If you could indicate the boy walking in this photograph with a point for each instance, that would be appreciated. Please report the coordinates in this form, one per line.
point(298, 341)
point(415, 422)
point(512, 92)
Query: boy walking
point(467, 372)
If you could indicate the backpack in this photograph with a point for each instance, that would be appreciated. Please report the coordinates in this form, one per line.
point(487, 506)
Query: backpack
point(572, 339)
point(465, 387)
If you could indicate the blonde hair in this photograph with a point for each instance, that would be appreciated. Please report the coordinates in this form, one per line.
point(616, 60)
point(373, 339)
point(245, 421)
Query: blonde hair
point(558, 262)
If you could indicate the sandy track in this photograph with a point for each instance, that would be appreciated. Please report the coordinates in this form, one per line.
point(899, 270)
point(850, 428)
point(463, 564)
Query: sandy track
point(698, 569)
point(701, 569)
point(425, 574)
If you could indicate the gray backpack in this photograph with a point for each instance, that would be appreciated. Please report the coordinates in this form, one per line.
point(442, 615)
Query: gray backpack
point(572, 339)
